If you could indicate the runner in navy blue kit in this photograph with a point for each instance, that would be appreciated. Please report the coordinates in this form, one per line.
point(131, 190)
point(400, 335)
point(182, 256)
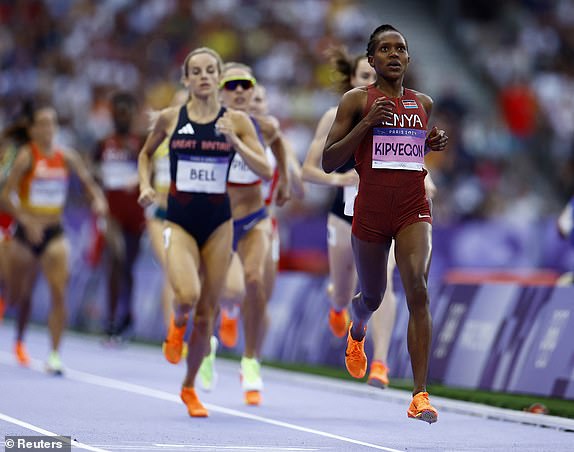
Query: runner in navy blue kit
point(384, 126)
point(199, 230)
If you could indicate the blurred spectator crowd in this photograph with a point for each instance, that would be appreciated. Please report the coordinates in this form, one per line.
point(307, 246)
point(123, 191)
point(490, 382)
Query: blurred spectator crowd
point(514, 160)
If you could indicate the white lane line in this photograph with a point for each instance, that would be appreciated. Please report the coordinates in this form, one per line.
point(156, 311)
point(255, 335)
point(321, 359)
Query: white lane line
point(443, 404)
point(197, 447)
point(106, 382)
point(36, 429)
point(162, 395)
point(216, 447)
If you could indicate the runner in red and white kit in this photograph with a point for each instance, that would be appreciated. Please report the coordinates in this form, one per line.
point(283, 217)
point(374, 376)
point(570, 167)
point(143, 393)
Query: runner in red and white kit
point(384, 126)
point(251, 232)
point(117, 157)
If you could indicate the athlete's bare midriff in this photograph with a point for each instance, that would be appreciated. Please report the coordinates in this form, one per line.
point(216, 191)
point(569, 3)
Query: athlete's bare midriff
point(42, 219)
point(245, 199)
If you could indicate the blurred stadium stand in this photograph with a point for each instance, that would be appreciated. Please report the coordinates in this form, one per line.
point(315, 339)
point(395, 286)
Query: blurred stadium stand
point(501, 79)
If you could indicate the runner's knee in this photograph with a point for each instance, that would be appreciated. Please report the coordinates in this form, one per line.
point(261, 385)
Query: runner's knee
point(187, 295)
point(372, 303)
point(417, 293)
point(254, 279)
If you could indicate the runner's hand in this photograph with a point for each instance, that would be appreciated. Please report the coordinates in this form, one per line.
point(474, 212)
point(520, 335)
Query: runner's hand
point(348, 178)
point(437, 139)
point(225, 126)
point(283, 192)
point(382, 111)
point(146, 197)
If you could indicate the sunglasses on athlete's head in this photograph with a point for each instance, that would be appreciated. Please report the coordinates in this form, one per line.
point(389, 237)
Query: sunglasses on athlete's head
point(231, 83)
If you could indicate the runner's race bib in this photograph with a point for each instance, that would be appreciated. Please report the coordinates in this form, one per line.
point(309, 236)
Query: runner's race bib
point(349, 195)
point(398, 148)
point(201, 174)
point(239, 172)
point(48, 193)
point(119, 174)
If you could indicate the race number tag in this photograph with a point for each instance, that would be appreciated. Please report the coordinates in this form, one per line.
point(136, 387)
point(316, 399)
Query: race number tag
point(398, 148)
point(201, 174)
point(240, 173)
point(349, 195)
point(48, 193)
point(119, 174)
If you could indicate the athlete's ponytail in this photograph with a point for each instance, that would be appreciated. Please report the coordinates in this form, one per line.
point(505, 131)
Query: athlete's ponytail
point(17, 131)
point(344, 67)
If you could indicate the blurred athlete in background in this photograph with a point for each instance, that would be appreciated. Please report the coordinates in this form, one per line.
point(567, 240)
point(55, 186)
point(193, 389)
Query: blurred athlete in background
point(351, 73)
point(40, 177)
point(116, 157)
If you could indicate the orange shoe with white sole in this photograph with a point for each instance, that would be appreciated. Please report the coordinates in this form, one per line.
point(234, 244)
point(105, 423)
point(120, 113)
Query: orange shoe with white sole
point(421, 408)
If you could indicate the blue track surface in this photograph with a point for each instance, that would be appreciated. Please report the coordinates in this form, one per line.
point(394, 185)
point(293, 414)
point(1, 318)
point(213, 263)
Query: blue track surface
point(127, 399)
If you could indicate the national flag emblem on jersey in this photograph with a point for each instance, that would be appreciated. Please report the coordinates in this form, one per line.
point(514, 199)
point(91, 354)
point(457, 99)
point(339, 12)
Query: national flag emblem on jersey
point(409, 103)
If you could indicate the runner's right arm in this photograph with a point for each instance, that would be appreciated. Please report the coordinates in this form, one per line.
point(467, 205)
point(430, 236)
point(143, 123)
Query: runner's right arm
point(153, 140)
